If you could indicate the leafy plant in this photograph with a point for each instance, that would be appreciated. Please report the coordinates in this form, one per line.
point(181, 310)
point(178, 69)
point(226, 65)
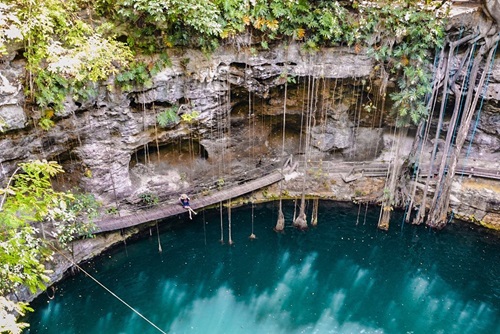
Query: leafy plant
point(10, 26)
point(112, 210)
point(140, 72)
point(220, 183)
point(149, 199)
point(3, 125)
point(406, 30)
point(29, 194)
point(46, 123)
point(63, 52)
point(159, 24)
point(167, 117)
point(74, 217)
point(27, 197)
point(190, 117)
point(8, 312)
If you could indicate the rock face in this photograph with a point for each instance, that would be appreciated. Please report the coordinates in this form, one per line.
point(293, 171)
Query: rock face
point(102, 136)
point(12, 114)
point(113, 147)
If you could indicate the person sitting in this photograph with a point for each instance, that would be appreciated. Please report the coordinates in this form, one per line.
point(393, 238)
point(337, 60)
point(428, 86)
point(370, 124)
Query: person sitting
point(184, 199)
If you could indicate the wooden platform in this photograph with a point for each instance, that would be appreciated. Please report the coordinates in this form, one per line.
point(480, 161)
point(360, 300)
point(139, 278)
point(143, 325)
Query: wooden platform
point(365, 169)
point(164, 211)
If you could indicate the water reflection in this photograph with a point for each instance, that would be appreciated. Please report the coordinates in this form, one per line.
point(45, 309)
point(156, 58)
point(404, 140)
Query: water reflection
point(337, 278)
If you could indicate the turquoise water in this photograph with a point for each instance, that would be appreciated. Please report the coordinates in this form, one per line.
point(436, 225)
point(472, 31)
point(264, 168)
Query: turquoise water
point(344, 276)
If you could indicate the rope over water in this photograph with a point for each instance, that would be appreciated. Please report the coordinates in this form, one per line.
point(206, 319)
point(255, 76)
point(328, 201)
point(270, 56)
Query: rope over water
point(109, 291)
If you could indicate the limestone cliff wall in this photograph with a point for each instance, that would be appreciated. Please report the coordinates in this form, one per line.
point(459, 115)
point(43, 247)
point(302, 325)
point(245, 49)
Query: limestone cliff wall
point(113, 147)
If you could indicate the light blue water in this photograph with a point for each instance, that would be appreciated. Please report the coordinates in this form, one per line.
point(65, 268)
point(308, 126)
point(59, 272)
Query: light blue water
point(336, 278)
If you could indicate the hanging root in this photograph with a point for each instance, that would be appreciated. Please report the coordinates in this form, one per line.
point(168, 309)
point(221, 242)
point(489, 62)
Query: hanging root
point(301, 221)
point(466, 81)
point(314, 218)
point(280, 224)
point(383, 223)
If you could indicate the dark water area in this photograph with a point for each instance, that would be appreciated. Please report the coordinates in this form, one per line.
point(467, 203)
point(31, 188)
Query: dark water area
point(343, 276)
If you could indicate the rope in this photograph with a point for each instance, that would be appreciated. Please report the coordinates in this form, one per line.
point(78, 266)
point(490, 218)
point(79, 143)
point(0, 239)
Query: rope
point(230, 239)
point(109, 291)
point(366, 211)
point(359, 210)
point(252, 217)
point(158, 234)
point(221, 224)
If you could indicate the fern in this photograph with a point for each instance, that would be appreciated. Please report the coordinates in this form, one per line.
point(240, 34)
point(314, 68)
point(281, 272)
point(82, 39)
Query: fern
point(167, 117)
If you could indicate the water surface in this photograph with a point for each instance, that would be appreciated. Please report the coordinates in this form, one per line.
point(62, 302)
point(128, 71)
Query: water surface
point(344, 276)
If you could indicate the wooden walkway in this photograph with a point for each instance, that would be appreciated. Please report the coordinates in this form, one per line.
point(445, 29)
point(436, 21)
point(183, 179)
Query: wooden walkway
point(350, 169)
point(375, 169)
point(169, 210)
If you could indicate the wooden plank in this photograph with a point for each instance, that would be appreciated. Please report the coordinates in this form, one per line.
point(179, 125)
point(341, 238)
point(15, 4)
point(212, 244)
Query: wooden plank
point(156, 213)
point(165, 211)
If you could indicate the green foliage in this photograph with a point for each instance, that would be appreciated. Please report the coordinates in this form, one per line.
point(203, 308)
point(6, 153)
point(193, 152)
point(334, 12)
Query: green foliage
point(86, 205)
point(220, 183)
point(3, 125)
point(22, 256)
point(149, 199)
point(30, 195)
point(28, 198)
point(68, 56)
point(10, 26)
point(63, 52)
point(167, 117)
point(163, 23)
point(137, 74)
point(74, 217)
point(8, 321)
point(190, 117)
point(112, 210)
point(314, 22)
point(407, 32)
point(140, 73)
point(46, 123)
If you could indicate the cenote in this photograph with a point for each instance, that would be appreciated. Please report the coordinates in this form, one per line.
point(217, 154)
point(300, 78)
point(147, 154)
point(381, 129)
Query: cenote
point(343, 276)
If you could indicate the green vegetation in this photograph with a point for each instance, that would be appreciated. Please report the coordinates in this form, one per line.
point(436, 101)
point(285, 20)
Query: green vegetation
point(149, 199)
point(141, 72)
point(27, 203)
point(220, 183)
point(190, 117)
point(408, 34)
point(112, 210)
point(168, 117)
point(3, 125)
point(8, 321)
point(66, 56)
point(73, 47)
